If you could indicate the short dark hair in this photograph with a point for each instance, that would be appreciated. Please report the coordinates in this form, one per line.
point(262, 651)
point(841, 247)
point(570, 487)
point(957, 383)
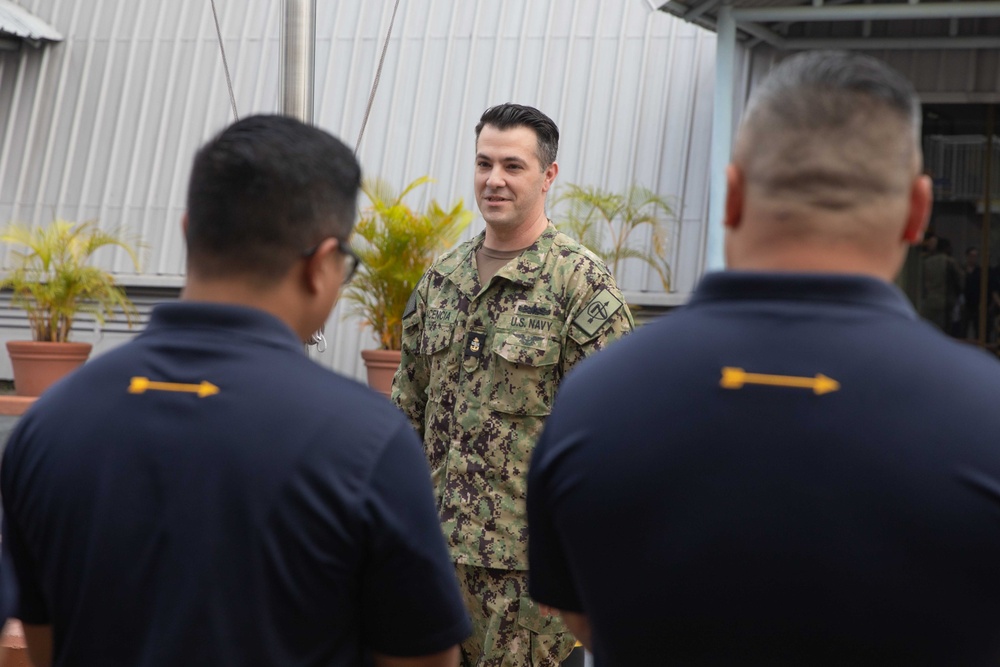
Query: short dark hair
point(264, 190)
point(508, 116)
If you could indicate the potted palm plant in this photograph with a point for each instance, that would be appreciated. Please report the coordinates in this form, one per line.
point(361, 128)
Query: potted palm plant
point(53, 281)
point(396, 245)
point(604, 221)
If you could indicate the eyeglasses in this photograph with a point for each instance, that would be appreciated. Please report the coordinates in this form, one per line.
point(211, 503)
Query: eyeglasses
point(352, 261)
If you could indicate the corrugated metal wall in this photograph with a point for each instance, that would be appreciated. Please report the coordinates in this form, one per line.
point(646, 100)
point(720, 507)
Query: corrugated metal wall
point(104, 125)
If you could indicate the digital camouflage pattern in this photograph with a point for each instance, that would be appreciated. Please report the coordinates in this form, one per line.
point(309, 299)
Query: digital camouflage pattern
point(508, 628)
point(479, 371)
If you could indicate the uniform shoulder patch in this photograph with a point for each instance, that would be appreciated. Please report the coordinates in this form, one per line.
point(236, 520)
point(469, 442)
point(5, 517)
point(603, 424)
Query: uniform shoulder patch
point(597, 312)
point(411, 305)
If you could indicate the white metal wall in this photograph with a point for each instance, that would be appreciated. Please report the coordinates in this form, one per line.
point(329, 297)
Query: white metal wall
point(104, 125)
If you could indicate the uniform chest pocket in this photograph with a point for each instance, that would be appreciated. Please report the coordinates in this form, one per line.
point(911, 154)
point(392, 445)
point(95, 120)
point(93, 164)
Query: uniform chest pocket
point(525, 373)
point(436, 338)
point(435, 346)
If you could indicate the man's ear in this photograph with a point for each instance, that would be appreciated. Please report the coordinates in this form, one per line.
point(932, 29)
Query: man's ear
point(317, 268)
point(735, 190)
point(921, 201)
point(550, 176)
point(184, 224)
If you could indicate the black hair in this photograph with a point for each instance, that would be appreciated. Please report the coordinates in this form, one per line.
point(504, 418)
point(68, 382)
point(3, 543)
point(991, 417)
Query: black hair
point(508, 116)
point(263, 191)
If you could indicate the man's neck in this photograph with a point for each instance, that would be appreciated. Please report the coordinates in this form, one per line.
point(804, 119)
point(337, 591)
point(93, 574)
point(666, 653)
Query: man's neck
point(806, 259)
point(279, 300)
point(520, 237)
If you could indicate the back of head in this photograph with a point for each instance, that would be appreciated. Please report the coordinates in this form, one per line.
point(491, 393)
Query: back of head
point(262, 192)
point(508, 116)
point(832, 131)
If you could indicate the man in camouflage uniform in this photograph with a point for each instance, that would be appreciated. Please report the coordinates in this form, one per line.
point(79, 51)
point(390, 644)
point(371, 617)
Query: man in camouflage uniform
point(489, 332)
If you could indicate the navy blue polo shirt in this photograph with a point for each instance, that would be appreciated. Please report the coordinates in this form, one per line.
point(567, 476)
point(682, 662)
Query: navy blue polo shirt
point(208, 495)
point(790, 470)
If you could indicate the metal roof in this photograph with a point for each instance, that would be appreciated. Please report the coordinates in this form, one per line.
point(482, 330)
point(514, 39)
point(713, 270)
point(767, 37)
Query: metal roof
point(876, 26)
point(850, 24)
point(16, 23)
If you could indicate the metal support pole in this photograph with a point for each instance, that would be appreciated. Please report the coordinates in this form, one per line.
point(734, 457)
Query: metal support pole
point(298, 74)
point(722, 136)
point(298, 59)
point(985, 296)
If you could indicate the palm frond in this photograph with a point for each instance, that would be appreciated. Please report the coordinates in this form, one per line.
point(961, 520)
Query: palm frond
point(53, 281)
point(604, 221)
point(396, 244)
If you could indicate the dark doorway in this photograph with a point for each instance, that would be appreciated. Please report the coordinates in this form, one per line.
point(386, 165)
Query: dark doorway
point(953, 278)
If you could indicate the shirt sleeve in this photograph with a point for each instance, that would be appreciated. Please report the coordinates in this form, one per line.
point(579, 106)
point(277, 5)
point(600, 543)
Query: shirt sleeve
point(21, 593)
point(411, 604)
point(8, 582)
point(550, 579)
point(409, 385)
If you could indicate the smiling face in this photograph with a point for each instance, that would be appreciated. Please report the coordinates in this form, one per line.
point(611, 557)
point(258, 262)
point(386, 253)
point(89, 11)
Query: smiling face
point(510, 181)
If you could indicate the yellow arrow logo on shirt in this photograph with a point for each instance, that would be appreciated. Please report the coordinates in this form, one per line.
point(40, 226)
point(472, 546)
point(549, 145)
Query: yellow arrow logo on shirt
point(141, 385)
point(735, 378)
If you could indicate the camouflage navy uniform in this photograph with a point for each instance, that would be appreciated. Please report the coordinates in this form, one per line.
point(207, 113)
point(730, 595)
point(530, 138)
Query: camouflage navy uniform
point(479, 371)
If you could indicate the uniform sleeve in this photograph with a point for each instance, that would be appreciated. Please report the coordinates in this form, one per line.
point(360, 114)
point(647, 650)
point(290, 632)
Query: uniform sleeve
point(409, 385)
point(549, 574)
point(599, 317)
point(411, 604)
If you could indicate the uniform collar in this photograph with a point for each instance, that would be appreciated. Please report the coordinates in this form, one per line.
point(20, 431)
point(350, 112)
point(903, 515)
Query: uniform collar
point(238, 322)
point(846, 289)
point(523, 270)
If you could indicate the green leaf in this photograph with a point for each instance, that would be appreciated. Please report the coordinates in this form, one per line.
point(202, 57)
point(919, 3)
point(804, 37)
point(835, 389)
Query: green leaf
point(53, 281)
point(596, 217)
point(396, 245)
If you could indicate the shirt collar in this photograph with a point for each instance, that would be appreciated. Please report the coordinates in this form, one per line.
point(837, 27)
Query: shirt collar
point(524, 269)
point(240, 322)
point(847, 289)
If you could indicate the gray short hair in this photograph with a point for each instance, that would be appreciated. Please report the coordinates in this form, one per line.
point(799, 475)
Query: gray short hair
point(832, 127)
point(790, 87)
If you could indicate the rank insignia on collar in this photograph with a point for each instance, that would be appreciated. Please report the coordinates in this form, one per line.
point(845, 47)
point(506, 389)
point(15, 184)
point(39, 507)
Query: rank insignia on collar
point(474, 344)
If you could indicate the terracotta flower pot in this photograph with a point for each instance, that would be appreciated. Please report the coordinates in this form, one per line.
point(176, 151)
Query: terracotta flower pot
point(13, 651)
point(381, 365)
point(38, 365)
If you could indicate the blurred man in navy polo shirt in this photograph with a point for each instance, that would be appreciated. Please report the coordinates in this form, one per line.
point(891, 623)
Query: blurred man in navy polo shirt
point(793, 469)
point(207, 494)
